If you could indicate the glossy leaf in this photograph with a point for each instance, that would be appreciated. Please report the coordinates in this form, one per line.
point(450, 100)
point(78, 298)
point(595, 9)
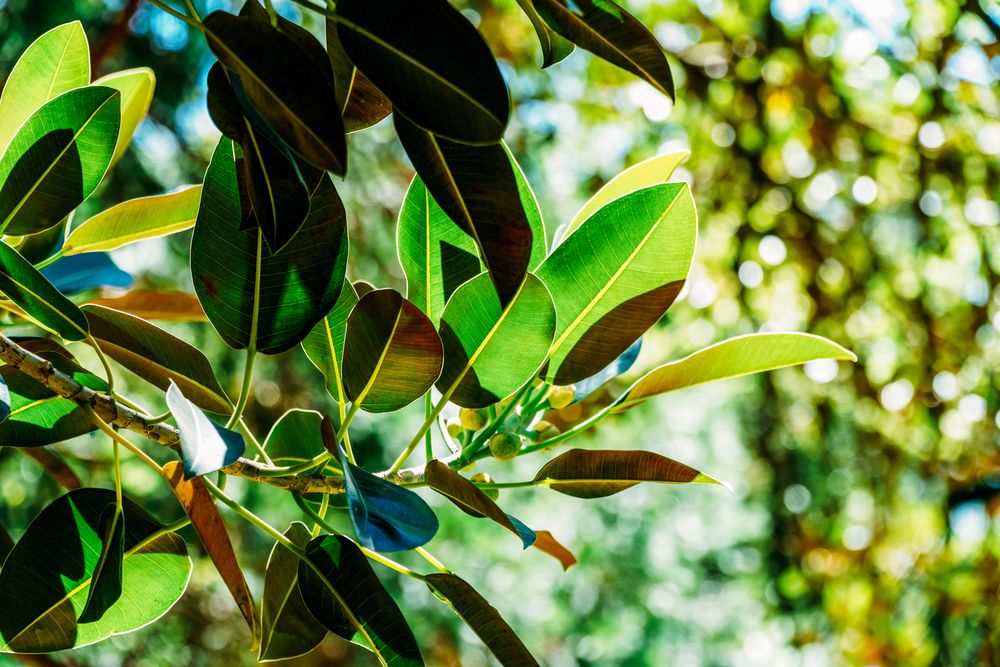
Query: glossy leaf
point(288, 628)
point(614, 277)
point(4, 399)
point(25, 286)
point(106, 581)
point(585, 388)
point(157, 356)
point(554, 47)
point(289, 89)
point(53, 64)
point(136, 220)
point(549, 544)
point(136, 87)
point(84, 272)
point(46, 579)
point(295, 438)
point(292, 291)
point(205, 446)
point(471, 500)
point(392, 354)
point(653, 171)
point(491, 351)
point(738, 356)
point(155, 305)
point(325, 343)
point(482, 617)
point(477, 188)
point(361, 104)
point(57, 159)
point(197, 502)
point(611, 33)
point(344, 594)
point(585, 473)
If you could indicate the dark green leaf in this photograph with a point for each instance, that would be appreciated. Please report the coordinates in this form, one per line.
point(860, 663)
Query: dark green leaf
point(57, 159)
point(288, 628)
point(431, 63)
point(360, 102)
point(235, 278)
point(295, 438)
point(106, 581)
point(4, 399)
point(344, 594)
point(6, 544)
point(554, 47)
point(392, 354)
point(46, 579)
point(586, 387)
point(325, 343)
point(205, 446)
point(25, 286)
point(482, 617)
point(156, 356)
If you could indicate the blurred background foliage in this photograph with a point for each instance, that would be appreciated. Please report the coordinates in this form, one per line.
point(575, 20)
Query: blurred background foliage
point(845, 157)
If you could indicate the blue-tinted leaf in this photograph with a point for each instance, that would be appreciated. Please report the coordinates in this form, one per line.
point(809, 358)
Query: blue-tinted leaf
point(526, 534)
point(4, 400)
point(586, 387)
point(386, 516)
point(205, 446)
point(82, 272)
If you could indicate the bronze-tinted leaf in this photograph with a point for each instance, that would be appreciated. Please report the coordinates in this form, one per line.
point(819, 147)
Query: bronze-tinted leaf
point(360, 102)
point(547, 543)
point(155, 305)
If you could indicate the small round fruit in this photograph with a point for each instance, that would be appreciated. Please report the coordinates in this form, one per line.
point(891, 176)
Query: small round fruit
point(545, 431)
point(455, 429)
point(484, 478)
point(505, 446)
point(560, 397)
point(472, 420)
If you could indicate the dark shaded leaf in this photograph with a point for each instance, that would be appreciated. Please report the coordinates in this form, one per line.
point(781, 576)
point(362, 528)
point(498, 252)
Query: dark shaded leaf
point(585, 388)
point(25, 286)
point(205, 446)
point(360, 102)
point(86, 271)
point(325, 343)
point(106, 581)
point(295, 438)
point(386, 517)
point(4, 399)
point(554, 47)
point(6, 544)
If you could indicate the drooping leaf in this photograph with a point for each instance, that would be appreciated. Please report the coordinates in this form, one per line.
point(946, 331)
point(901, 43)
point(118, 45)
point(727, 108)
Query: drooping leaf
point(157, 356)
point(431, 63)
point(325, 343)
point(205, 446)
point(615, 277)
point(295, 438)
point(738, 356)
point(585, 473)
point(155, 305)
point(482, 617)
point(344, 594)
point(290, 90)
point(86, 271)
point(25, 286)
point(490, 351)
point(547, 543)
point(288, 629)
point(197, 502)
point(136, 220)
point(290, 291)
point(136, 87)
point(57, 159)
point(54, 465)
point(477, 188)
point(585, 388)
point(56, 62)
point(554, 47)
point(360, 102)
point(46, 579)
point(611, 33)
point(655, 170)
point(392, 354)
point(386, 517)
point(471, 500)
point(106, 581)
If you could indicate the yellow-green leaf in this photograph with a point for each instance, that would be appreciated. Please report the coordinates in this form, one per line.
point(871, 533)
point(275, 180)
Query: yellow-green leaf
point(136, 86)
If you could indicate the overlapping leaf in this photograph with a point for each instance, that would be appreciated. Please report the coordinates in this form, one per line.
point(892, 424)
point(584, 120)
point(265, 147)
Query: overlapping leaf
point(106, 580)
point(295, 438)
point(136, 88)
point(325, 343)
point(25, 286)
point(361, 104)
point(586, 387)
point(205, 446)
point(554, 47)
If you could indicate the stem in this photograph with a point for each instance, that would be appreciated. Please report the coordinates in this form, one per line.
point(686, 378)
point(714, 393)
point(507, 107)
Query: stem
point(241, 403)
point(491, 428)
point(323, 506)
point(565, 435)
point(119, 439)
point(49, 260)
point(104, 362)
point(176, 14)
point(428, 439)
point(254, 443)
point(441, 567)
point(118, 476)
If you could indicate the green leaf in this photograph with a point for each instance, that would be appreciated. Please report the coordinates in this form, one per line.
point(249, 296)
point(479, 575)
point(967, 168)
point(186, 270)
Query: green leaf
point(295, 438)
point(57, 159)
point(539, 236)
point(482, 617)
point(47, 577)
point(288, 629)
point(431, 63)
point(106, 581)
point(615, 277)
point(136, 87)
point(392, 354)
point(290, 90)
point(610, 33)
point(324, 346)
point(54, 63)
point(6, 544)
point(655, 170)
point(25, 286)
point(477, 188)
point(252, 298)
point(471, 500)
point(205, 446)
point(360, 102)
point(587, 473)
point(343, 593)
point(491, 351)
point(554, 47)
point(157, 356)
point(738, 356)
point(136, 220)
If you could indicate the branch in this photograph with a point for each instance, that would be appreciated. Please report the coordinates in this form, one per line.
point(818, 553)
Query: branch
point(122, 416)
